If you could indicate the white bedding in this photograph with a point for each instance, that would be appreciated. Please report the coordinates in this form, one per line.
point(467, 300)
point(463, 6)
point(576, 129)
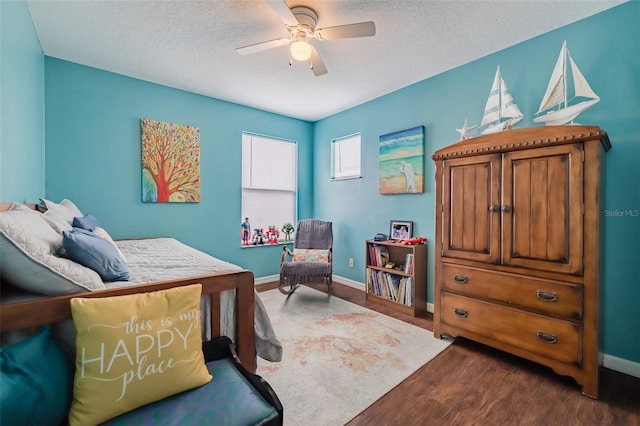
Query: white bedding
point(30, 261)
point(161, 259)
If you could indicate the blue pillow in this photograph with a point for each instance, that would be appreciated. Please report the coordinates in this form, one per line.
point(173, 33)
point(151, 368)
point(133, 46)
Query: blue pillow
point(36, 383)
point(88, 249)
point(87, 222)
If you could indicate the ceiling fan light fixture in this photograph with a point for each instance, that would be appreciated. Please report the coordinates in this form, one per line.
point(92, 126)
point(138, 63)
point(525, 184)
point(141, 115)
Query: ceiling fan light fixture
point(300, 50)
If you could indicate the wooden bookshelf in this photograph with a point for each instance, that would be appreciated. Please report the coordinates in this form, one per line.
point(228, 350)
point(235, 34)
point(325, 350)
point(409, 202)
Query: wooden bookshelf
point(402, 286)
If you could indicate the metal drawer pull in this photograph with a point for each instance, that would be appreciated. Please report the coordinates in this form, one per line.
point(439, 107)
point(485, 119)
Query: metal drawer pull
point(460, 312)
point(460, 279)
point(547, 296)
point(547, 337)
point(493, 208)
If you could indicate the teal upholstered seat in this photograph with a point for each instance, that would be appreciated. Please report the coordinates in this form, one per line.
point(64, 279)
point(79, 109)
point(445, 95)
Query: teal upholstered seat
point(228, 399)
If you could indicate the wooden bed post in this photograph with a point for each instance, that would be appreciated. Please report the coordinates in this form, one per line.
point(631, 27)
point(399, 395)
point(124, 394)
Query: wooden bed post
point(245, 330)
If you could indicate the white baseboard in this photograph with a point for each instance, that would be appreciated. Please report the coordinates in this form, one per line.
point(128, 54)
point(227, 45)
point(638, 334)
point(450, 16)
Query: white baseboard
point(274, 278)
point(609, 361)
point(621, 365)
point(348, 282)
point(360, 286)
point(266, 280)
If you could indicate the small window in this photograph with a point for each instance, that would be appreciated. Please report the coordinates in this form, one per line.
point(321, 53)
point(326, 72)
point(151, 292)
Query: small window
point(268, 187)
point(345, 158)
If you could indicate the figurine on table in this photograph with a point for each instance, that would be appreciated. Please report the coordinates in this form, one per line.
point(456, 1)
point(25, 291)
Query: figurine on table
point(258, 236)
point(288, 229)
point(273, 234)
point(245, 232)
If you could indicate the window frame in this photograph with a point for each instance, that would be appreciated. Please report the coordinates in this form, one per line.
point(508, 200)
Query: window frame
point(335, 151)
point(247, 187)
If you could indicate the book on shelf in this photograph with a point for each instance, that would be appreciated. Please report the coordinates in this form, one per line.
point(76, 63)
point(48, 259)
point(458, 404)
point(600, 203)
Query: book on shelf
point(393, 281)
point(378, 255)
point(407, 291)
point(408, 264)
point(390, 286)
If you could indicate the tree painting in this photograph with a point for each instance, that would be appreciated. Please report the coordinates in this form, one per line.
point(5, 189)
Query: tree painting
point(170, 162)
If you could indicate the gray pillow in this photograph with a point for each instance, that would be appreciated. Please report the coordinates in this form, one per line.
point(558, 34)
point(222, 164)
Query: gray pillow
point(54, 219)
point(57, 221)
point(64, 210)
point(27, 257)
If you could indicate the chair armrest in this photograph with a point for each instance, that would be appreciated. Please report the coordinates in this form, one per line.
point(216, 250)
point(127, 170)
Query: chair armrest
point(285, 252)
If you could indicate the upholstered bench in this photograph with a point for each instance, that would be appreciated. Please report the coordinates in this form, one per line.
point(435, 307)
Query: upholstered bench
point(139, 359)
point(37, 376)
point(233, 397)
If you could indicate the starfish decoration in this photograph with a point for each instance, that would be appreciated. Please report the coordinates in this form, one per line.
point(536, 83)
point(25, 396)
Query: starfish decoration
point(464, 131)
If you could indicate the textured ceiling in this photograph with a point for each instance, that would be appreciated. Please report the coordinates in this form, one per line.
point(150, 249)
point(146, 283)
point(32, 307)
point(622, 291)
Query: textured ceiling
point(190, 45)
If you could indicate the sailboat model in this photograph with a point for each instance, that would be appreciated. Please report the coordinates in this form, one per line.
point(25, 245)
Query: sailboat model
point(555, 109)
point(501, 112)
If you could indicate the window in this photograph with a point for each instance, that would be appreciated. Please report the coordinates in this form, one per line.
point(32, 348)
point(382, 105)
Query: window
point(345, 157)
point(268, 184)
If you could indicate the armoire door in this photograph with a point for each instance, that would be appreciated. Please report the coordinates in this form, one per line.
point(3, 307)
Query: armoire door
point(542, 208)
point(470, 206)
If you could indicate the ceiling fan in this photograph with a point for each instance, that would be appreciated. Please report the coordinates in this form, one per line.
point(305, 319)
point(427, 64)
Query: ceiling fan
point(301, 23)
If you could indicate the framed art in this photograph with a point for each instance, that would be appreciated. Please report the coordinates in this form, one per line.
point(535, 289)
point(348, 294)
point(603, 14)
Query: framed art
point(400, 229)
point(170, 162)
point(401, 162)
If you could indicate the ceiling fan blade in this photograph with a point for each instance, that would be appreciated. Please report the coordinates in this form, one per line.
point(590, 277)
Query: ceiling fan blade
point(316, 64)
point(361, 29)
point(283, 11)
point(265, 45)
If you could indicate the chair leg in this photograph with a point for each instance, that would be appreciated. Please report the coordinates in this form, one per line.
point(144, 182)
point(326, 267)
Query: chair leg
point(287, 288)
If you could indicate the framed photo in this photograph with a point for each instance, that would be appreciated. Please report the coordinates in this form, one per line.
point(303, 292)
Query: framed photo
point(400, 229)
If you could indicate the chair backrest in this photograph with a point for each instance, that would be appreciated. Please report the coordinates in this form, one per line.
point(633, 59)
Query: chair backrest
point(314, 234)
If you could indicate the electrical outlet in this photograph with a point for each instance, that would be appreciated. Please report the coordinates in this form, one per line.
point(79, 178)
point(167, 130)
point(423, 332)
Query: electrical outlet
point(351, 262)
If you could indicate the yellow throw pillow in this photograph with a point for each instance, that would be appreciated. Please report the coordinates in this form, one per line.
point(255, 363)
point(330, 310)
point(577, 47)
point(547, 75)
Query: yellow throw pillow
point(133, 350)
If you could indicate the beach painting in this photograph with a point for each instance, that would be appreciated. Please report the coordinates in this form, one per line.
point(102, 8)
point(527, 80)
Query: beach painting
point(401, 162)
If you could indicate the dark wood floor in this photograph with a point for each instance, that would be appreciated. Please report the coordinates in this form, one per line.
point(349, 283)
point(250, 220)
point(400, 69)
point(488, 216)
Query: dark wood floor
point(472, 384)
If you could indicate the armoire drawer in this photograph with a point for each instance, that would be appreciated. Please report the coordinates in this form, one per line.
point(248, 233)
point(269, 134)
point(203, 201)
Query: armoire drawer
point(544, 296)
point(548, 337)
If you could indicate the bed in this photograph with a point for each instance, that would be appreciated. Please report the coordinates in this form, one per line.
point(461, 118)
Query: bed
point(37, 282)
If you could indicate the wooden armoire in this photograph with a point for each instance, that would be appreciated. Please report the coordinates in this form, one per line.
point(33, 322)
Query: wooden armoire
point(518, 242)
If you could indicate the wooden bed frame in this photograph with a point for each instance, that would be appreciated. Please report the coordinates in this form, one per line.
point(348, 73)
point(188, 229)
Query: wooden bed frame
point(48, 309)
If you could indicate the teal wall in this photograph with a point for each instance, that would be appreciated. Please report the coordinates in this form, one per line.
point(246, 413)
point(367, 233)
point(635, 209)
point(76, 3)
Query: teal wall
point(93, 157)
point(21, 106)
point(93, 149)
point(606, 48)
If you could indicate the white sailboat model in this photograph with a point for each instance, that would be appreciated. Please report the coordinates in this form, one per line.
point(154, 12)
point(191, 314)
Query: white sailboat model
point(555, 109)
point(501, 112)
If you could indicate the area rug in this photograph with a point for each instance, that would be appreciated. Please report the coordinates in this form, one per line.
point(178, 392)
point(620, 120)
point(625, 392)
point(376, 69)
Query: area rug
point(338, 357)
